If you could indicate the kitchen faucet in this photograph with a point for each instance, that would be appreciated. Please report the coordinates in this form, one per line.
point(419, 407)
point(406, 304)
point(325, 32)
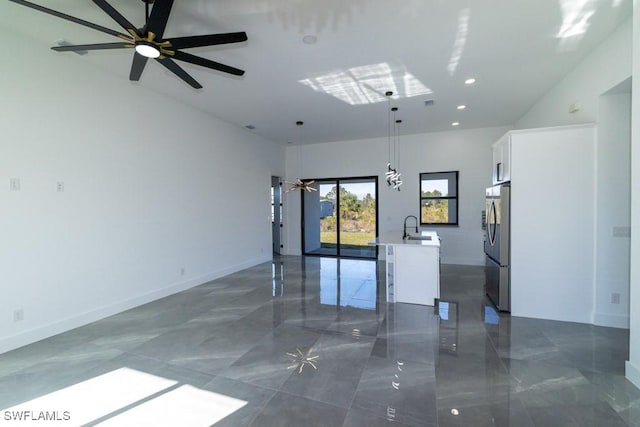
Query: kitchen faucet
point(404, 233)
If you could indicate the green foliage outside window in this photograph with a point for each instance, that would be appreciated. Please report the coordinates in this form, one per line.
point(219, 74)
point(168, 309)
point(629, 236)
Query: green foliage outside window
point(357, 218)
point(436, 206)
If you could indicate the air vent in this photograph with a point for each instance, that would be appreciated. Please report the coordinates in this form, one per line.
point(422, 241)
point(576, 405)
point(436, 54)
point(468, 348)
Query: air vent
point(66, 43)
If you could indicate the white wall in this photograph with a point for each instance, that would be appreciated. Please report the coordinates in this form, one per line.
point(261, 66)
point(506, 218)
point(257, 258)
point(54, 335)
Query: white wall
point(151, 187)
point(603, 68)
point(633, 365)
point(552, 223)
point(613, 180)
point(467, 151)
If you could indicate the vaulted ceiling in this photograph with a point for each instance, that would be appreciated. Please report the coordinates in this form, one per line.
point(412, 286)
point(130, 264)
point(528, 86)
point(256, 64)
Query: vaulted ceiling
point(329, 63)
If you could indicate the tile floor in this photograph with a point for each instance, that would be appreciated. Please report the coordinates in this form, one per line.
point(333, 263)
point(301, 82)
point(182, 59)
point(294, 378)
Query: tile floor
point(312, 342)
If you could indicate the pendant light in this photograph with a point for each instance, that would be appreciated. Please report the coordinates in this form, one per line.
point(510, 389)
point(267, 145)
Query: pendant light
point(392, 174)
point(299, 184)
point(397, 181)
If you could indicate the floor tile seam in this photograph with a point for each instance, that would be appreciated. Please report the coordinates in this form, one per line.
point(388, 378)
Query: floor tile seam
point(252, 386)
point(195, 371)
point(500, 358)
point(346, 409)
point(265, 387)
point(619, 411)
point(364, 368)
point(546, 364)
point(409, 418)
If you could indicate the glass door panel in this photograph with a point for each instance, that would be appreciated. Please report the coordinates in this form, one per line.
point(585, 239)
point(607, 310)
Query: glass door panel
point(340, 219)
point(357, 214)
point(320, 220)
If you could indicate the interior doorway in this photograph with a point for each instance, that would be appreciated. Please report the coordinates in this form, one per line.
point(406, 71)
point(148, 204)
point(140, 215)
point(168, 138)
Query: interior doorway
point(341, 218)
point(276, 214)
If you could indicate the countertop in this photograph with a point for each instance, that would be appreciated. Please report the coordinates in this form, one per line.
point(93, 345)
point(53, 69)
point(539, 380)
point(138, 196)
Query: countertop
point(395, 238)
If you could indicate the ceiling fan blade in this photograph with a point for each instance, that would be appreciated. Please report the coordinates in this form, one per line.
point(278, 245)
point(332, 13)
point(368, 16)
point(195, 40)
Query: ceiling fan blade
point(178, 71)
point(100, 46)
point(137, 66)
point(207, 40)
point(71, 18)
point(159, 17)
point(187, 57)
point(115, 15)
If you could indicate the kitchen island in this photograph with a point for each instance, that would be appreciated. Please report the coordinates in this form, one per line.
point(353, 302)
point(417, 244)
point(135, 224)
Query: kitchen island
point(412, 267)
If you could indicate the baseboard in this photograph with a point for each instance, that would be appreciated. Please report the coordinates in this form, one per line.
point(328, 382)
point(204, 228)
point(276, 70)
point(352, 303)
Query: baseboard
point(632, 372)
point(611, 320)
point(62, 325)
point(516, 312)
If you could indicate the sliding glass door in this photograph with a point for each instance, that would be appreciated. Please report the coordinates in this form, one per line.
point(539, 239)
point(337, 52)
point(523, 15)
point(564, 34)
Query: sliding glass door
point(340, 219)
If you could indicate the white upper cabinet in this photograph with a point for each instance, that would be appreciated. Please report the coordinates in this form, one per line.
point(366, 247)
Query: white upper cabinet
point(501, 169)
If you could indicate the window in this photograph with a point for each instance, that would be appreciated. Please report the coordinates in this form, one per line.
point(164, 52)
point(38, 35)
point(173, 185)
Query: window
point(439, 198)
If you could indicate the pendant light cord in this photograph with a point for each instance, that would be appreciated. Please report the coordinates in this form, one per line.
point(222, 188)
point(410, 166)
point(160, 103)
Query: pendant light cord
point(395, 148)
point(398, 145)
point(389, 127)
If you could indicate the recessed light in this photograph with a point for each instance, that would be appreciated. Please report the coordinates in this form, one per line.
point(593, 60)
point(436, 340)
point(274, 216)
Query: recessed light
point(461, 107)
point(309, 39)
point(455, 124)
point(470, 81)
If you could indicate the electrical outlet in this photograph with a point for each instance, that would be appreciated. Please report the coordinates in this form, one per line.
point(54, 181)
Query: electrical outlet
point(18, 315)
point(14, 184)
point(182, 271)
point(621, 231)
point(60, 187)
point(615, 298)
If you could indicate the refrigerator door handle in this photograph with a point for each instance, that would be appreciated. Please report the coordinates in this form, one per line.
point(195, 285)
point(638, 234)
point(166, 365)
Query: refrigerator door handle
point(492, 223)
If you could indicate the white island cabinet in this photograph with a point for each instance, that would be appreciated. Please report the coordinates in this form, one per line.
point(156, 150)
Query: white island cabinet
point(413, 267)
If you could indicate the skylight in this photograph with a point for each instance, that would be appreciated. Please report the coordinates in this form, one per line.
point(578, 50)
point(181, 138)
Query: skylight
point(367, 84)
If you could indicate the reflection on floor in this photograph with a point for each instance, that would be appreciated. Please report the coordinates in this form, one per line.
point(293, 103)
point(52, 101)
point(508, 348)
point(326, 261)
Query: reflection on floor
point(346, 251)
point(311, 341)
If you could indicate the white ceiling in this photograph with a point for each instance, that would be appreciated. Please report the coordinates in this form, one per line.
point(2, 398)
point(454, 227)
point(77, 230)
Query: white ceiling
point(420, 49)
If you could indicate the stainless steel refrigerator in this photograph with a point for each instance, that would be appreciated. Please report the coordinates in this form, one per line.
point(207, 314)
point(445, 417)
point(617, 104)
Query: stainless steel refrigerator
point(496, 246)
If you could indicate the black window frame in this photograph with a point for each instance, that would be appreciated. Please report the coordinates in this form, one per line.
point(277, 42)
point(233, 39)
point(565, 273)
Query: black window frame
point(422, 177)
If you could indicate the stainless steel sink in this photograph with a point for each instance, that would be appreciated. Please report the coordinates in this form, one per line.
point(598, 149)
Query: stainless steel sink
point(410, 237)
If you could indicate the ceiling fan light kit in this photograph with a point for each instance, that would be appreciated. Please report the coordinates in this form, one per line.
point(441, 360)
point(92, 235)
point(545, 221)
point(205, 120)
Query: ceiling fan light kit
point(148, 41)
point(147, 49)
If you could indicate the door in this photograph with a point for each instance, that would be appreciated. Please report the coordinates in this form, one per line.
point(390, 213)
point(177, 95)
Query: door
point(341, 218)
point(276, 214)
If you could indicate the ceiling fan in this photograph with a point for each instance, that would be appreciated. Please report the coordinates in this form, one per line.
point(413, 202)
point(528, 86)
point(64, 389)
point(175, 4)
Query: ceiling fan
point(148, 41)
